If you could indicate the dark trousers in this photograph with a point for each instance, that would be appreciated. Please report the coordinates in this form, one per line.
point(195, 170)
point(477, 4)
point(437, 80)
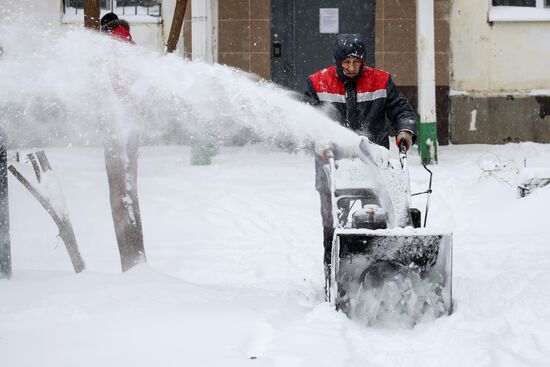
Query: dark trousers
point(328, 227)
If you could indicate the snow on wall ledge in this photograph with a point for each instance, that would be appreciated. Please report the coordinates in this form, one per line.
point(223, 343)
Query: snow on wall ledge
point(518, 14)
point(503, 93)
point(497, 58)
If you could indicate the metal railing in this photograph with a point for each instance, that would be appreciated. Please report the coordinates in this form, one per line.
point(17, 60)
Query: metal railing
point(527, 3)
point(120, 7)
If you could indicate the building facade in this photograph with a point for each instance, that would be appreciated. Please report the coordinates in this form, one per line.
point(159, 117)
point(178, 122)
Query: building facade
point(492, 81)
point(499, 74)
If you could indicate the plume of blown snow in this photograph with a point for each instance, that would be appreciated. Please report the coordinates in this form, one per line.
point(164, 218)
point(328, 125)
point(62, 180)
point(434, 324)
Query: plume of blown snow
point(74, 86)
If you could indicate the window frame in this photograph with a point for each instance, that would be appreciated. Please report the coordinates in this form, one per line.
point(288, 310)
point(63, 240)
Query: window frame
point(76, 15)
point(502, 13)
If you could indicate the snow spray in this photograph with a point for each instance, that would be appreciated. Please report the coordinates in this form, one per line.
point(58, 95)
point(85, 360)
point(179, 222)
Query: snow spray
point(398, 299)
point(69, 86)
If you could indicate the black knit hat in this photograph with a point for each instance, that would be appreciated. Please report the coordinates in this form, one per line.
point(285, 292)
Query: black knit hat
point(107, 18)
point(348, 45)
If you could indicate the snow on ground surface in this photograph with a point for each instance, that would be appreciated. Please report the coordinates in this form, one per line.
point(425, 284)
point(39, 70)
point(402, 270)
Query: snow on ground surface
point(234, 274)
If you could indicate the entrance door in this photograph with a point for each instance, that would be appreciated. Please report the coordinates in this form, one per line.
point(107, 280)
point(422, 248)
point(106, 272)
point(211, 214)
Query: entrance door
point(303, 34)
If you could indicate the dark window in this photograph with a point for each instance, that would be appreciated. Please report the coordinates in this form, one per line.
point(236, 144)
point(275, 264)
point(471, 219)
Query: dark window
point(104, 4)
point(121, 7)
point(145, 3)
point(529, 3)
point(131, 6)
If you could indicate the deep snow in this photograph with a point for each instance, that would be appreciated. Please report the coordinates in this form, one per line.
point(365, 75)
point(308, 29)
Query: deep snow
point(234, 274)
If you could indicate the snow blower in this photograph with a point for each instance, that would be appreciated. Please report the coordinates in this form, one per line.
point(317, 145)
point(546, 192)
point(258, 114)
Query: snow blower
point(383, 262)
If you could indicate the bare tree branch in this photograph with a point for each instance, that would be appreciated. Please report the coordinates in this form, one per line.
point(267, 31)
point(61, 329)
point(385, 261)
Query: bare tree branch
point(63, 223)
point(177, 22)
point(32, 159)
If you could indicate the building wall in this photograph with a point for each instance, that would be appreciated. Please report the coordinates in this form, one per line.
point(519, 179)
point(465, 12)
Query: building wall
point(147, 33)
point(244, 42)
point(395, 45)
point(46, 11)
point(244, 36)
point(396, 40)
point(497, 69)
point(499, 58)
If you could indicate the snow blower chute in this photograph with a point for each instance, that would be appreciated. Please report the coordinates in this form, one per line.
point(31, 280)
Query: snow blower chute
point(383, 261)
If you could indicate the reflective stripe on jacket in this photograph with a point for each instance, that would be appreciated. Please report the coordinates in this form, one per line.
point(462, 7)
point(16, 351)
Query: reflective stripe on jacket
point(363, 105)
point(360, 105)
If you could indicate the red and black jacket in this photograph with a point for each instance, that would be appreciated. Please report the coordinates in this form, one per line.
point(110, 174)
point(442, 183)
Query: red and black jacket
point(363, 104)
point(119, 28)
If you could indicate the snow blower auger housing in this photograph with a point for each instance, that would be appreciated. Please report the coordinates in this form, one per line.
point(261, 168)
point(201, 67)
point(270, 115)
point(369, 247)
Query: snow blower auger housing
point(382, 261)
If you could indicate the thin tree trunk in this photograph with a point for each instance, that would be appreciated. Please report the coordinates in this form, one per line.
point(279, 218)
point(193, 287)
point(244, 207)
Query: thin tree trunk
point(177, 22)
point(62, 221)
point(91, 14)
point(5, 249)
point(121, 163)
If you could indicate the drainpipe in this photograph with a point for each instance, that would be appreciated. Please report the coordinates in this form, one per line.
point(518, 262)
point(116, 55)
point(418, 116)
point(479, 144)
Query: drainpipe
point(204, 36)
point(5, 250)
point(204, 31)
point(425, 49)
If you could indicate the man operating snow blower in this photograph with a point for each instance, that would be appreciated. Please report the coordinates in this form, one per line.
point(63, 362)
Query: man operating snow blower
point(361, 98)
point(380, 266)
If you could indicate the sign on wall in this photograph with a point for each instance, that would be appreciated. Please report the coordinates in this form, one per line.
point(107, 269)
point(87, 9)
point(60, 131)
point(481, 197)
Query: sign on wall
point(328, 20)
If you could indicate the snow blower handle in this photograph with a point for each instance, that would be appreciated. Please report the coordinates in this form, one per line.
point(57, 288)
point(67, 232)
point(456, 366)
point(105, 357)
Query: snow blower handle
point(403, 157)
point(405, 168)
point(402, 148)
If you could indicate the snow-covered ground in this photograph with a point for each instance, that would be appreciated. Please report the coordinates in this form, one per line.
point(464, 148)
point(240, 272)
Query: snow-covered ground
point(234, 274)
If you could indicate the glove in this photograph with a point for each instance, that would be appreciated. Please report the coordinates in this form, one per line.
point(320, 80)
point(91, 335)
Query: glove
point(406, 137)
point(323, 149)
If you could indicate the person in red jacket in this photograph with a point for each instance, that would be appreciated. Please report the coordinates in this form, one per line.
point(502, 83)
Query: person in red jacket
point(118, 28)
point(361, 98)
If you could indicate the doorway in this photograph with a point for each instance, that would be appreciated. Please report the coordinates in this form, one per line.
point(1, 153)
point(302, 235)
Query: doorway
point(303, 33)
